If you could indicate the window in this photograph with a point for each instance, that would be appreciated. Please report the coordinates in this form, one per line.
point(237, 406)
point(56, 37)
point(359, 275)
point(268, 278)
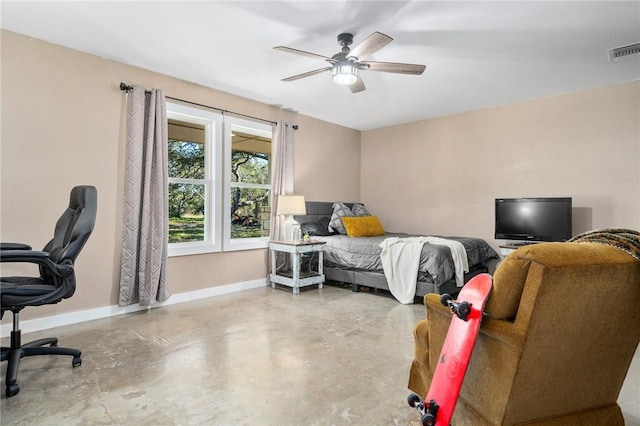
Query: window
point(219, 187)
point(195, 179)
point(247, 183)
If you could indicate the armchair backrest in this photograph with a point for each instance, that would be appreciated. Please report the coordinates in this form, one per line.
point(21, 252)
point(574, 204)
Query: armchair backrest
point(573, 309)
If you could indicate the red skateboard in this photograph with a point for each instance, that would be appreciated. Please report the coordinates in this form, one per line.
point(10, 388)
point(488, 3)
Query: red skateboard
point(437, 407)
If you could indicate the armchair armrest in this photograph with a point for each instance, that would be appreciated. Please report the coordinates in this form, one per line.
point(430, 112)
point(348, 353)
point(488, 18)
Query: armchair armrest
point(14, 246)
point(509, 333)
point(41, 258)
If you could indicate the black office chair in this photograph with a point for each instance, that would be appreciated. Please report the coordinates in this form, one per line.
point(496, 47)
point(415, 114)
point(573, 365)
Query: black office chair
point(57, 279)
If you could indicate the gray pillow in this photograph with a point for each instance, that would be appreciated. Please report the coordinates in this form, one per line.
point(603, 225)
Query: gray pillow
point(359, 209)
point(320, 228)
point(339, 210)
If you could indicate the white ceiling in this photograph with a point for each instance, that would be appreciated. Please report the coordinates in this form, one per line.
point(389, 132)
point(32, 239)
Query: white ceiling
point(478, 54)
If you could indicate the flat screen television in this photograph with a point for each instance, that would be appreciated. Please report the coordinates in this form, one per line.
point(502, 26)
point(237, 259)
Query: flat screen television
point(533, 219)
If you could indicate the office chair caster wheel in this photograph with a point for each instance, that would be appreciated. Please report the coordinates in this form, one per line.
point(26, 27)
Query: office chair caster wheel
point(445, 299)
point(428, 420)
point(12, 390)
point(77, 361)
point(413, 400)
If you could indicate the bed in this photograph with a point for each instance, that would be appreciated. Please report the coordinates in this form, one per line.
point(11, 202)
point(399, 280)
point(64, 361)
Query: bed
point(356, 260)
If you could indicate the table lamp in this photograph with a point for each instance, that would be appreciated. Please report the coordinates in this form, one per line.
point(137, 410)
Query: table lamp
point(289, 205)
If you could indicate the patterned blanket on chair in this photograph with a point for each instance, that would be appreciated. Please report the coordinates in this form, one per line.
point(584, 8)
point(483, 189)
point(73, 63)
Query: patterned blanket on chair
point(624, 239)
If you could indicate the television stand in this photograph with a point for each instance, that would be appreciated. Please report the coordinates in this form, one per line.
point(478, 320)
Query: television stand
point(505, 249)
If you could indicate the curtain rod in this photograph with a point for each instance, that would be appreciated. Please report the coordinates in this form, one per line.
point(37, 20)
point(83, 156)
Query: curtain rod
point(126, 88)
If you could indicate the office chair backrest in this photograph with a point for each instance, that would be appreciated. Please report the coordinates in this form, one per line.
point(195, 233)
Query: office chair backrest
point(75, 225)
point(71, 233)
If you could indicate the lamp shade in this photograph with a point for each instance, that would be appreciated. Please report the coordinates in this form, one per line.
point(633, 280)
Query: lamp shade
point(291, 205)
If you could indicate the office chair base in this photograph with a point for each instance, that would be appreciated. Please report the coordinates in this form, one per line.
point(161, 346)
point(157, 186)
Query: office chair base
point(48, 346)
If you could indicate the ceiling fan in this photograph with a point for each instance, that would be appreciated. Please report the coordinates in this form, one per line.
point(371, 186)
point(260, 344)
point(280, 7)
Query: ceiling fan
point(346, 64)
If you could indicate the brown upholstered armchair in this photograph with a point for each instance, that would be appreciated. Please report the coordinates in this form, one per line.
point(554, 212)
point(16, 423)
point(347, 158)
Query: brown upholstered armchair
point(564, 326)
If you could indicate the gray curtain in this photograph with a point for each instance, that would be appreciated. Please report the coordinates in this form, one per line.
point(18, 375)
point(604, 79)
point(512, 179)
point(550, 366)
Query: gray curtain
point(145, 227)
point(282, 178)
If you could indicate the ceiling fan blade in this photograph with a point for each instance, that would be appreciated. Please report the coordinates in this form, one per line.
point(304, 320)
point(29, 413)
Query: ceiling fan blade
point(301, 52)
point(371, 45)
point(358, 86)
point(395, 67)
point(306, 74)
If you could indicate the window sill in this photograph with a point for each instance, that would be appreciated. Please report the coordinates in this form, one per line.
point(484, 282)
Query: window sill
point(191, 250)
point(246, 244)
point(239, 245)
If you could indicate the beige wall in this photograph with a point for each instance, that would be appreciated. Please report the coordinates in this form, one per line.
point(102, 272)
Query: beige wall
point(441, 176)
point(327, 162)
point(63, 125)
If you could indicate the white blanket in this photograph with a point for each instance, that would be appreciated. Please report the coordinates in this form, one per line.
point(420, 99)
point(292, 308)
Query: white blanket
point(401, 259)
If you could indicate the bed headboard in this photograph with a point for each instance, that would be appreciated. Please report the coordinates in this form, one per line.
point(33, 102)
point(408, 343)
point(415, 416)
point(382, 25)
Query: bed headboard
point(317, 210)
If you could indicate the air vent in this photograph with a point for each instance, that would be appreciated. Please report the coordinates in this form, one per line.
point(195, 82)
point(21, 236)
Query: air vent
point(624, 52)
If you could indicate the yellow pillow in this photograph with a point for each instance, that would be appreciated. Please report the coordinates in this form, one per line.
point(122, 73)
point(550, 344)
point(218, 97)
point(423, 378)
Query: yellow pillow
point(362, 226)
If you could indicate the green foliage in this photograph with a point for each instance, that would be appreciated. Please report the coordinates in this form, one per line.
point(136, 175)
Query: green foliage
point(249, 167)
point(191, 228)
point(186, 228)
point(186, 160)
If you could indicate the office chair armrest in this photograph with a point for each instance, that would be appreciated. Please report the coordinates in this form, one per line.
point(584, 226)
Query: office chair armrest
point(21, 255)
point(41, 258)
point(14, 246)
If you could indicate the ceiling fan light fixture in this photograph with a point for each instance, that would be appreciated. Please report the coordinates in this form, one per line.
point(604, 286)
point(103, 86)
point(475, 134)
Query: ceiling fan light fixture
point(345, 73)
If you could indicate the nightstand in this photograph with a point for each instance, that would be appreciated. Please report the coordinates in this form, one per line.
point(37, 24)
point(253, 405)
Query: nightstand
point(296, 278)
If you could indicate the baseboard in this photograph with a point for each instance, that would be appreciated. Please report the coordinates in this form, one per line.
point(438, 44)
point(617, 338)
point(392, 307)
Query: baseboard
point(53, 321)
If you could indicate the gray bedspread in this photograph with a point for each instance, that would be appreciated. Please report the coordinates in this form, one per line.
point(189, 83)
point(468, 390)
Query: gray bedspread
point(436, 263)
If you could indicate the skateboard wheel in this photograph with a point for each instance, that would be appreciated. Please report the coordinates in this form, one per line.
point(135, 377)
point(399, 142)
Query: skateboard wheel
point(428, 420)
point(445, 299)
point(464, 309)
point(413, 400)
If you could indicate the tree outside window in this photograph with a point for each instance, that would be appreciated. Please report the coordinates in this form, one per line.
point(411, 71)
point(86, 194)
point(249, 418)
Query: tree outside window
point(187, 184)
point(250, 184)
point(199, 220)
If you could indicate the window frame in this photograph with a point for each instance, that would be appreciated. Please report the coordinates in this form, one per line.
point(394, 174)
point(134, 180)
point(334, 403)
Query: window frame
point(257, 128)
point(217, 181)
point(213, 124)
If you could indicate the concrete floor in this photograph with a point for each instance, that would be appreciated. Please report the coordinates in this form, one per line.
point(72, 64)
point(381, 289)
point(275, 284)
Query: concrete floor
point(263, 356)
